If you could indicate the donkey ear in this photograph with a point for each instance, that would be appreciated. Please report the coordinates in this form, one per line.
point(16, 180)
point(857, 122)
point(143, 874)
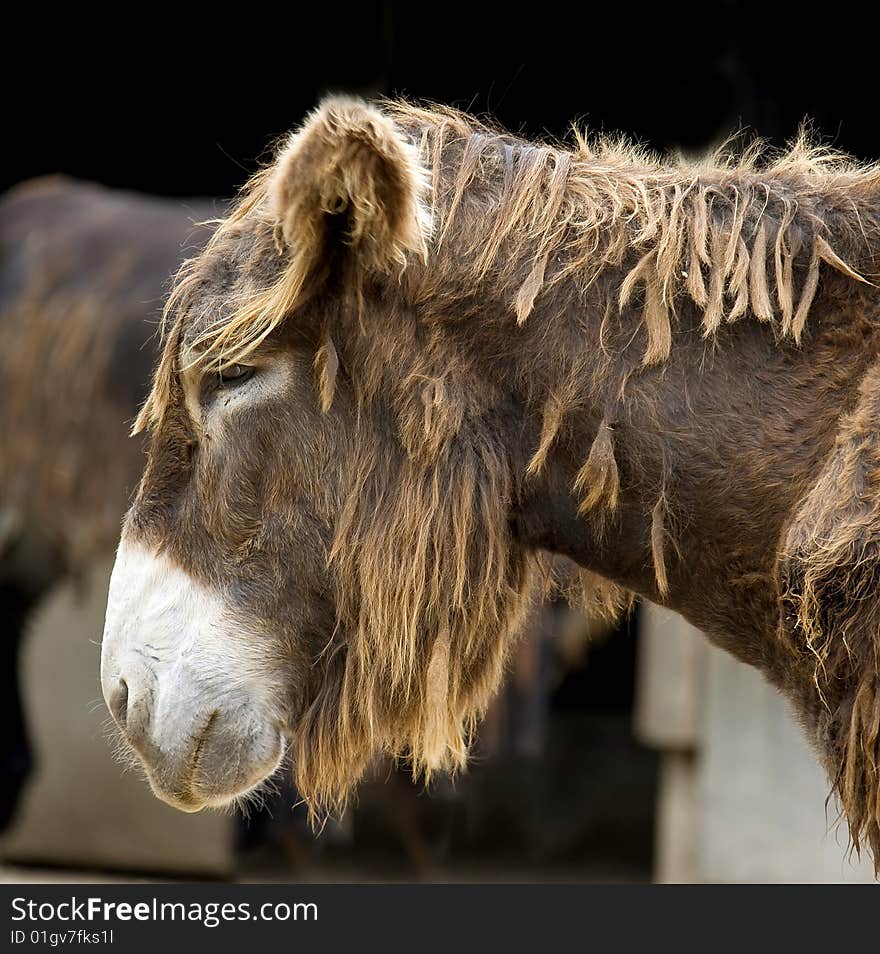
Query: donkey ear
point(349, 177)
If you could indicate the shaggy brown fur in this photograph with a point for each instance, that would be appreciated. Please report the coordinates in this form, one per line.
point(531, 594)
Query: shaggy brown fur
point(640, 364)
point(83, 273)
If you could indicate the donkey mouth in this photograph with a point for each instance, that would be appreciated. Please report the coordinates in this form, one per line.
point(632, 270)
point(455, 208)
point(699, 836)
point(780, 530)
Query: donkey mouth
point(221, 764)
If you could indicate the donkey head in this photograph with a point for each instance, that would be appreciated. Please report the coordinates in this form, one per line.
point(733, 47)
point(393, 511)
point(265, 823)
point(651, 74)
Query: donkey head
point(318, 556)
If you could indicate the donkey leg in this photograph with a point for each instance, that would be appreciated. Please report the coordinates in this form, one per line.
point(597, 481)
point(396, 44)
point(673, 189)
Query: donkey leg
point(16, 757)
point(29, 567)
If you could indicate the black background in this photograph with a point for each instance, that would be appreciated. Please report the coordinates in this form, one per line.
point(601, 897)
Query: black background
point(140, 99)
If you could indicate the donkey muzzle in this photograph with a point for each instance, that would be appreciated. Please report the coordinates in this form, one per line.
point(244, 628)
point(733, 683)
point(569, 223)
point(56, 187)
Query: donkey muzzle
point(185, 686)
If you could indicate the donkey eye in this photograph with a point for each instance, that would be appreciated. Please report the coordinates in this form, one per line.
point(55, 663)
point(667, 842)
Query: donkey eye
point(234, 374)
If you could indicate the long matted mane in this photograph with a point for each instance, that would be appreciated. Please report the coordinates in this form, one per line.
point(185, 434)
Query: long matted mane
point(735, 234)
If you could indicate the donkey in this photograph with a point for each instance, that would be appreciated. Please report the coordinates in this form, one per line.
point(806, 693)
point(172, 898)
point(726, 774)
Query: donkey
point(419, 355)
point(83, 272)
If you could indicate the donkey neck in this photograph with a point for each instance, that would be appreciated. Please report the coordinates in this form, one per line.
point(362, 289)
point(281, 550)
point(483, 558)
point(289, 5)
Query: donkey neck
point(696, 443)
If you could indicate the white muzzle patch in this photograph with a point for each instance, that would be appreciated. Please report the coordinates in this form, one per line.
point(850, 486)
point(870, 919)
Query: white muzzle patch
point(189, 687)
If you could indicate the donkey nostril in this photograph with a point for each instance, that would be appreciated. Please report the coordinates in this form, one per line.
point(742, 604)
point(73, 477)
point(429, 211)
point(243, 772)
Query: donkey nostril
point(118, 702)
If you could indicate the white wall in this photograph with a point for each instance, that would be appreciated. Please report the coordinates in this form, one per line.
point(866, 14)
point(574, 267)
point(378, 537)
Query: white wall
point(741, 796)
